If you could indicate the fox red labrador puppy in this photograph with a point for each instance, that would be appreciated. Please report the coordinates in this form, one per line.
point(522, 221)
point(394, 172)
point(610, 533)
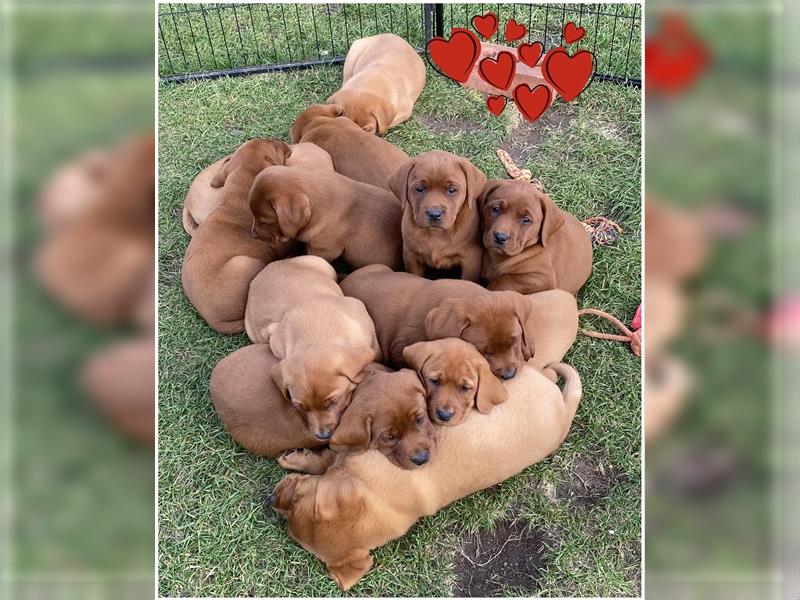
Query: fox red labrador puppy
point(531, 245)
point(441, 222)
point(333, 215)
point(407, 309)
point(383, 77)
point(223, 258)
point(363, 502)
point(356, 154)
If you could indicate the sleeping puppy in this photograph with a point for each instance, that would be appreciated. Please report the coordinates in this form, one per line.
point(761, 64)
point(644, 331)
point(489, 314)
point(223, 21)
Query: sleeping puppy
point(202, 199)
point(457, 378)
point(222, 257)
point(355, 153)
point(441, 222)
point(383, 77)
point(407, 309)
point(531, 245)
point(324, 344)
point(332, 214)
point(282, 285)
point(388, 413)
point(363, 502)
point(253, 409)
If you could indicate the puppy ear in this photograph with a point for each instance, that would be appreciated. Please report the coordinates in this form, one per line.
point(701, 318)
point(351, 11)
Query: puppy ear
point(353, 361)
point(383, 116)
point(415, 355)
point(449, 319)
point(487, 190)
point(490, 390)
point(222, 174)
point(337, 495)
point(354, 432)
point(552, 218)
point(522, 308)
point(282, 151)
point(346, 574)
point(398, 180)
point(332, 110)
point(475, 180)
point(293, 213)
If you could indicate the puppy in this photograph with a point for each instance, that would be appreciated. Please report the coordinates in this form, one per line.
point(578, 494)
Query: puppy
point(332, 214)
point(222, 257)
point(388, 413)
point(356, 154)
point(202, 199)
point(441, 222)
point(531, 245)
point(253, 409)
point(457, 378)
point(363, 502)
point(383, 77)
point(407, 309)
point(282, 285)
point(551, 327)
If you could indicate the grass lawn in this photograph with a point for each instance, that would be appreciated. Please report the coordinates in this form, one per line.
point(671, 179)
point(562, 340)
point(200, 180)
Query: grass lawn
point(569, 526)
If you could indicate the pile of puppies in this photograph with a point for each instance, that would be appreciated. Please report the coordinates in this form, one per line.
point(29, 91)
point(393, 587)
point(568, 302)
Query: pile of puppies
point(345, 373)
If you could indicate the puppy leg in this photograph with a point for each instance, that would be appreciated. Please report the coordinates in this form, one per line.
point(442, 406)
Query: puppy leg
point(313, 462)
point(413, 264)
point(471, 267)
point(524, 284)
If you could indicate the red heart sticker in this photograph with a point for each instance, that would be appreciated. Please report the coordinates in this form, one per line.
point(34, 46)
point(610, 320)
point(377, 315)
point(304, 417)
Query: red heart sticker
point(498, 72)
point(530, 53)
point(573, 33)
point(568, 74)
point(514, 31)
point(532, 102)
point(455, 57)
point(496, 104)
point(486, 25)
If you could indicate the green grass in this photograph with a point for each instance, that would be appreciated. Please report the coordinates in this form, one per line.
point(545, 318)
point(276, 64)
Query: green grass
point(215, 540)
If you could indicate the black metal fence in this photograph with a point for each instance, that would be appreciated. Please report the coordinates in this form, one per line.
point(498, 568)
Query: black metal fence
point(207, 40)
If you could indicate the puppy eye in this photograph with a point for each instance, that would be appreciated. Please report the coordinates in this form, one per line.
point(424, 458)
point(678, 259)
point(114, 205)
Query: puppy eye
point(420, 420)
point(435, 380)
point(466, 388)
point(419, 189)
point(331, 403)
point(526, 220)
point(496, 210)
point(451, 190)
point(388, 437)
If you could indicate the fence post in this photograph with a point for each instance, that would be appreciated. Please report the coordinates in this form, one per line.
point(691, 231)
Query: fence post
point(433, 22)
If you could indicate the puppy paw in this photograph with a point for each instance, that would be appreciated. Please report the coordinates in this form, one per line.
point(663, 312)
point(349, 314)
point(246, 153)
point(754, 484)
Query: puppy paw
point(306, 461)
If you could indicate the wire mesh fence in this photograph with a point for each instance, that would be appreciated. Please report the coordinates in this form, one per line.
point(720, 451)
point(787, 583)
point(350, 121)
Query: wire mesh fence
point(206, 40)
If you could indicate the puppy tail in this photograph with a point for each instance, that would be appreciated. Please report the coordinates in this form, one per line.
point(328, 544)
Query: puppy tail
point(571, 392)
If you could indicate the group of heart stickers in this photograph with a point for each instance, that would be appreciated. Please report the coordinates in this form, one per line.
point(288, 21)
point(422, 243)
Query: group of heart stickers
point(567, 74)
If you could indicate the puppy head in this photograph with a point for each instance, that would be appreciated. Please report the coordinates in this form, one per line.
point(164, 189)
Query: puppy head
point(388, 413)
point(321, 513)
point(517, 215)
point(254, 155)
point(493, 322)
point(456, 378)
point(317, 111)
point(437, 186)
point(319, 383)
point(280, 206)
point(368, 110)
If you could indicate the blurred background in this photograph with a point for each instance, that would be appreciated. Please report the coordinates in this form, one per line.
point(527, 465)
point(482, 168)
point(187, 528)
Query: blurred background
point(722, 300)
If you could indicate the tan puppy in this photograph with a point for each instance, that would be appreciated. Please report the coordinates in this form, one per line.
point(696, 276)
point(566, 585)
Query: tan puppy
point(457, 378)
point(531, 245)
point(441, 222)
point(383, 77)
point(551, 327)
point(332, 214)
point(223, 258)
point(408, 309)
point(324, 344)
point(202, 199)
point(356, 154)
point(363, 502)
point(281, 286)
point(253, 410)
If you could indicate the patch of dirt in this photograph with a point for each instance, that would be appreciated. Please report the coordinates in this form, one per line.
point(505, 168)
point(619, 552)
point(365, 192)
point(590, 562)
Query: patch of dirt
point(510, 555)
point(455, 125)
point(591, 480)
point(524, 137)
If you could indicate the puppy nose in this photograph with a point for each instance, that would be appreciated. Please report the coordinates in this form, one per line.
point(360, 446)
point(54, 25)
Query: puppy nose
point(434, 214)
point(500, 237)
point(444, 414)
point(508, 374)
point(420, 458)
point(325, 434)
point(270, 500)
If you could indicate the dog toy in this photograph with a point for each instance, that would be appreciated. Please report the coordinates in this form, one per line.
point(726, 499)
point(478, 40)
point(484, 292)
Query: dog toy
point(634, 338)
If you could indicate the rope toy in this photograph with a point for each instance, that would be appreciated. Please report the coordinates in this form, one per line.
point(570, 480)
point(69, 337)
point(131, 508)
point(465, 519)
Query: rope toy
point(634, 338)
point(515, 172)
